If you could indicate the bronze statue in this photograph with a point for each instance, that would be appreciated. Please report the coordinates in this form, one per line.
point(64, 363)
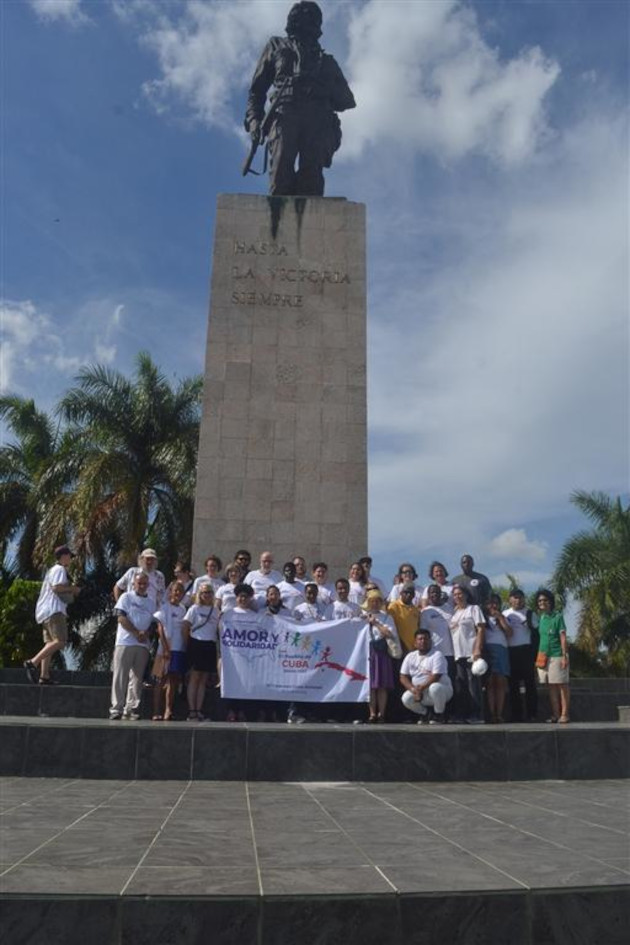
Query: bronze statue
point(302, 121)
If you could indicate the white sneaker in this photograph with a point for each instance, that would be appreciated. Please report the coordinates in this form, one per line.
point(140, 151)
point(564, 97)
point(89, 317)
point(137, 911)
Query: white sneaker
point(294, 719)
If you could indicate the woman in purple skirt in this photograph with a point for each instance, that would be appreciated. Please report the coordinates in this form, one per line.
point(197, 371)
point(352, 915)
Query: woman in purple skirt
point(384, 644)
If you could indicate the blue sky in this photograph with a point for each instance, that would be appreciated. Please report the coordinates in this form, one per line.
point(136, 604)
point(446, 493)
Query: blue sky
point(490, 145)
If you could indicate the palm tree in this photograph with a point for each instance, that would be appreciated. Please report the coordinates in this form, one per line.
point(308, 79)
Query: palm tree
point(30, 493)
point(133, 461)
point(594, 566)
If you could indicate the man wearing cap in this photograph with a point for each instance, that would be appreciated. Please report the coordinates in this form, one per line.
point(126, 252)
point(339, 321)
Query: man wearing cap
point(147, 562)
point(134, 612)
point(50, 610)
point(424, 676)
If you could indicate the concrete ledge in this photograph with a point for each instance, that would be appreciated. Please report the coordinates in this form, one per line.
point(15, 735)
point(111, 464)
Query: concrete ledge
point(90, 700)
point(71, 748)
point(553, 917)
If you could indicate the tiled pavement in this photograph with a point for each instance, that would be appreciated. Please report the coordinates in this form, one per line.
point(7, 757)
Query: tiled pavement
point(217, 839)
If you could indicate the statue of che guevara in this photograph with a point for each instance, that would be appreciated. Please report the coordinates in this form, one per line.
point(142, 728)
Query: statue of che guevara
point(301, 123)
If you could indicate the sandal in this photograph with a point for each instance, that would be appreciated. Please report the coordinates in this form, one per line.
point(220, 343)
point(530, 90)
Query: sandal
point(564, 719)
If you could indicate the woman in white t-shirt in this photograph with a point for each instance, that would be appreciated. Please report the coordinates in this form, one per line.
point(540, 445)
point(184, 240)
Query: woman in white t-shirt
point(439, 576)
point(169, 665)
point(357, 579)
point(200, 628)
point(467, 626)
point(225, 596)
point(213, 565)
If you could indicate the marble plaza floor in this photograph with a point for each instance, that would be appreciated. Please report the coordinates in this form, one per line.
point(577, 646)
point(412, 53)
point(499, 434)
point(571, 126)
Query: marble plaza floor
point(208, 839)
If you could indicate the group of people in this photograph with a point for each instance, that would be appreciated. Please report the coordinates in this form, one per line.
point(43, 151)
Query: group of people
point(450, 649)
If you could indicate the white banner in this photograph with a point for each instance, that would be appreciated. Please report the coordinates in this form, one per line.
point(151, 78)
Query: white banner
point(278, 658)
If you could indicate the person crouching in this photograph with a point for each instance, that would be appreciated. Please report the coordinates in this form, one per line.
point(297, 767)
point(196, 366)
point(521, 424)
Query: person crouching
point(424, 675)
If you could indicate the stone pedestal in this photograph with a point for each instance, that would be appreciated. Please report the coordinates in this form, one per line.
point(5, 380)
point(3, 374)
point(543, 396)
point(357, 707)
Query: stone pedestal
point(283, 443)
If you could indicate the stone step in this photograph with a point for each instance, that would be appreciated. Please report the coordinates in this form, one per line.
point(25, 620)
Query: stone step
point(72, 748)
point(92, 701)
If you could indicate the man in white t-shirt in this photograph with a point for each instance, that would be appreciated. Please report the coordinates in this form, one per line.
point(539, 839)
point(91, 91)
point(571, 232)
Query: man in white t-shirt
point(325, 590)
point(290, 591)
point(424, 676)
point(262, 578)
point(342, 608)
point(147, 562)
point(134, 610)
point(56, 592)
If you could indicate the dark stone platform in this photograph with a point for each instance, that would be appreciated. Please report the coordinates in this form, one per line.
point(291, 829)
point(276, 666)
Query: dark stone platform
point(89, 748)
point(83, 694)
point(121, 862)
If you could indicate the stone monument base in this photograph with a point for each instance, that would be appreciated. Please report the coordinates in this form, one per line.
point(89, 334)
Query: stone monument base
point(283, 442)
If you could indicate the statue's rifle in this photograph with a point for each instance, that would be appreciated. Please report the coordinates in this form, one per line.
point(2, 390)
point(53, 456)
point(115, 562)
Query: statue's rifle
point(260, 137)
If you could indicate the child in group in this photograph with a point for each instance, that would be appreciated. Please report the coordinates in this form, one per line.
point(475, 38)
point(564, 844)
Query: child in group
point(169, 665)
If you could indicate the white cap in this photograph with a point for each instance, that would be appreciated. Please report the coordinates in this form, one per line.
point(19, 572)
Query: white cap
point(479, 667)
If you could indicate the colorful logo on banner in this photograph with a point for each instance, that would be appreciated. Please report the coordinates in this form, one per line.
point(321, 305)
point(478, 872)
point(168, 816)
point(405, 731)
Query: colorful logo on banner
point(294, 650)
point(265, 656)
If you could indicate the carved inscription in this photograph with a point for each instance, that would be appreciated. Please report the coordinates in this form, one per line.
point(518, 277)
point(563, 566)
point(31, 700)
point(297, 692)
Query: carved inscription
point(309, 275)
point(274, 299)
point(242, 248)
point(244, 275)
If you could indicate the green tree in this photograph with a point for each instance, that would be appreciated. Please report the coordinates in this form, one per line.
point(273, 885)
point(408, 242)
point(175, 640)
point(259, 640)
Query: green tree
point(20, 635)
point(594, 567)
point(133, 462)
point(32, 497)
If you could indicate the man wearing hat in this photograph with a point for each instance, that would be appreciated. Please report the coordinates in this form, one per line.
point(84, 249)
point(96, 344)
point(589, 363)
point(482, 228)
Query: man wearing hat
point(57, 591)
point(147, 563)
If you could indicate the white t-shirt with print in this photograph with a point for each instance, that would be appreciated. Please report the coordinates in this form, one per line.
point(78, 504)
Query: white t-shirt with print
point(156, 588)
point(494, 633)
point(420, 666)
point(226, 597)
point(463, 624)
point(49, 603)
point(436, 621)
point(171, 616)
point(291, 594)
point(203, 621)
point(309, 613)
point(137, 609)
point(343, 610)
point(216, 583)
point(517, 619)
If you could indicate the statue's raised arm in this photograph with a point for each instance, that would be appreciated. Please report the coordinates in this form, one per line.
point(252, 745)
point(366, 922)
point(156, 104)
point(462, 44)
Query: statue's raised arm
point(301, 122)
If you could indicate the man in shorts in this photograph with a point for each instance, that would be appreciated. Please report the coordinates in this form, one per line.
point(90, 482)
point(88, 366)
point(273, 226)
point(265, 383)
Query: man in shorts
point(57, 591)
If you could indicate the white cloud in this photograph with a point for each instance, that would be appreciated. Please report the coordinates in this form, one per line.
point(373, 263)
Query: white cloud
point(498, 344)
point(422, 74)
point(32, 344)
point(426, 79)
point(69, 11)
point(205, 51)
point(29, 341)
point(514, 544)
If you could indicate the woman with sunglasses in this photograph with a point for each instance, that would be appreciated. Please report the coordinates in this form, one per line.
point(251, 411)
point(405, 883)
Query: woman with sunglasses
point(200, 627)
